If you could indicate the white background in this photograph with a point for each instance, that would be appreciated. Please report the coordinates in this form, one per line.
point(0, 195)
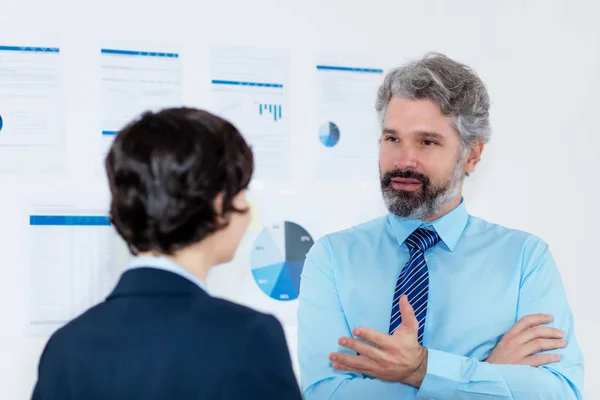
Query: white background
point(539, 173)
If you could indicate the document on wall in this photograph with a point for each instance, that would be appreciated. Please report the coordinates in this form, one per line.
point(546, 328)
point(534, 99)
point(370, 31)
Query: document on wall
point(71, 259)
point(249, 87)
point(346, 134)
point(134, 80)
point(31, 104)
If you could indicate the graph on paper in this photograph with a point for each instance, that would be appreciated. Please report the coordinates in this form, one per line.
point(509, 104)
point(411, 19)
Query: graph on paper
point(329, 134)
point(134, 81)
point(347, 132)
point(30, 90)
point(248, 88)
point(277, 259)
point(71, 258)
point(31, 104)
point(271, 110)
point(251, 106)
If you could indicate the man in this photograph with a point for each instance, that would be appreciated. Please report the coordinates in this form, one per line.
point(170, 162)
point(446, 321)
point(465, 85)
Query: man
point(430, 302)
point(178, 182)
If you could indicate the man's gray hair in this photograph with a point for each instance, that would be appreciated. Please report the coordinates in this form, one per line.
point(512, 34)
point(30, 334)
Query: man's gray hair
point(455, 87)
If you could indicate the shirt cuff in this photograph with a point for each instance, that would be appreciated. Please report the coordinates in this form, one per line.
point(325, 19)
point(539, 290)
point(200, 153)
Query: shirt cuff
point(442, 378)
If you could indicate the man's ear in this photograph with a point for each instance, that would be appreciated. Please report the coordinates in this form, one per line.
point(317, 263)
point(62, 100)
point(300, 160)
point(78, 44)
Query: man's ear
point(474, 156)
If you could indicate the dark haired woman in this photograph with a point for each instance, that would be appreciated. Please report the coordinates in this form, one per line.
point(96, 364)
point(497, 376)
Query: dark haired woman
point(178, 182)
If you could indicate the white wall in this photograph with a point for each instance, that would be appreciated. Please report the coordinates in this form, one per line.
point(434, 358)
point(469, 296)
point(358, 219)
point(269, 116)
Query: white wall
point(539, 59)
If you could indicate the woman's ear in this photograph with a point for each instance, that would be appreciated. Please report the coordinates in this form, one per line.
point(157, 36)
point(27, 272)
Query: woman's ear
point(218, 204)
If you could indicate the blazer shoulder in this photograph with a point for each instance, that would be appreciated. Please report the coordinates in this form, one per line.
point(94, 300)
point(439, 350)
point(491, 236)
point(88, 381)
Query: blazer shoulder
point(243, 316)
point(64, 335)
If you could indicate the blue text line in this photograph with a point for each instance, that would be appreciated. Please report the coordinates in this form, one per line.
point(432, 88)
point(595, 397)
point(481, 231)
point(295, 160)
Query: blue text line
point(350, 69)
point(69, 220)
point(139, 53)
point(242, 83)
point(30, 49)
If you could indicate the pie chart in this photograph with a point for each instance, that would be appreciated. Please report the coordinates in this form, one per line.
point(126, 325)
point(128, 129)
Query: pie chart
point(277, 259)
point(1, 123)
point(329, 134)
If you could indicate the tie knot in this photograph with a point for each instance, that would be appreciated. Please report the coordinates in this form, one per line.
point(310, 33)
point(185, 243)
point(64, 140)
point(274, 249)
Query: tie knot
point(422, 239)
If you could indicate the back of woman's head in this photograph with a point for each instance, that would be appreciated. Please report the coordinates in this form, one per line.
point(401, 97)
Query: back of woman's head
point(165, 171)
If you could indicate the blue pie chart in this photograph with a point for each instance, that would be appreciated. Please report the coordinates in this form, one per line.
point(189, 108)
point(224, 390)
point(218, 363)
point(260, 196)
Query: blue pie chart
point(329, 134)
point(1, 123)
point(277, 259)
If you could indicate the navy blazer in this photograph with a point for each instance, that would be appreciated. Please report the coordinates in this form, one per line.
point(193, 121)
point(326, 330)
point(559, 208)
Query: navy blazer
point(159, 336)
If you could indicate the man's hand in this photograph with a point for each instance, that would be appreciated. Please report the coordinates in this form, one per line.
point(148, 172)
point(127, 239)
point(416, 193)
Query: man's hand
point(394, 358)
point(525, 339)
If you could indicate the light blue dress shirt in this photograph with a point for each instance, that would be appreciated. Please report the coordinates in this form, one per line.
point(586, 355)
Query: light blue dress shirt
point(483, 279)
point(165, 264)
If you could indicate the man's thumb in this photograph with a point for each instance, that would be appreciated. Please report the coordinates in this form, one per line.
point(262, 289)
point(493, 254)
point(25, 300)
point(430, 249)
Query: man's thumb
point(409, 320)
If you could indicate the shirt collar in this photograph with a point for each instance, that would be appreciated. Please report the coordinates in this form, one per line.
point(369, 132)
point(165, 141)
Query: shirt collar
point(166, 264)
point(449, 226)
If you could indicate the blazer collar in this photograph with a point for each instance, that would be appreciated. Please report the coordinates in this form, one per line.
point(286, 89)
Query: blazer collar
point(152, 281)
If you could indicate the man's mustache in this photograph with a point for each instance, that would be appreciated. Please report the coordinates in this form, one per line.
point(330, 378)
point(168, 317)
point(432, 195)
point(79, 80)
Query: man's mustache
point(386, 179)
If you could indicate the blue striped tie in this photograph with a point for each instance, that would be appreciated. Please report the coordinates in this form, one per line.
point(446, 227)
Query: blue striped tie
point(414, 279)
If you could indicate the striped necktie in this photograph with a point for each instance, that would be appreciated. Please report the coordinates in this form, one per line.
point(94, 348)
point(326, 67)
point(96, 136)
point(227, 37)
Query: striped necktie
point(414, 279)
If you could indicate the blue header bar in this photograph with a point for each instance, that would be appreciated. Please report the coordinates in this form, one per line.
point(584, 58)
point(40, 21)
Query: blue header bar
point(350, 69)
point(30, 49)
point(241, 83)
point(69, 220)
point(109, 133)
point(139, 53)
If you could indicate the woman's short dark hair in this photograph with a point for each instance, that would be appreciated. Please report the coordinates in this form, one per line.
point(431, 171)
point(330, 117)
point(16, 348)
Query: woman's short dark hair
point(165, 170)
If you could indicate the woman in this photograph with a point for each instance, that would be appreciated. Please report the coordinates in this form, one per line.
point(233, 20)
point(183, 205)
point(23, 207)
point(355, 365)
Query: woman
point(178, 182)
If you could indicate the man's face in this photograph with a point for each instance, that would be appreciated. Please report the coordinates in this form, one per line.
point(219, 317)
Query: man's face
point(421, 160)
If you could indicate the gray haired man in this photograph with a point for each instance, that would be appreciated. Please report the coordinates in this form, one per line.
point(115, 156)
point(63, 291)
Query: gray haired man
point(428, 301)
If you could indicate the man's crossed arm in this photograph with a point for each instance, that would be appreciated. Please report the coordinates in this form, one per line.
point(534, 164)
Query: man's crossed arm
point(399, 358)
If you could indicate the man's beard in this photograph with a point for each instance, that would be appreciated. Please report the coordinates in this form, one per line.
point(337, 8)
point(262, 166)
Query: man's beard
point(424, 203)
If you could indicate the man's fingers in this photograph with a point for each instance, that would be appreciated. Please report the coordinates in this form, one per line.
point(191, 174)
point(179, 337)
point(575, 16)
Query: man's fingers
point(341, 367)
point(543, 332)
point(537, 345)
point(529, 321)
point(364, 349)
point(358, 363)
point(541, 359)
point(372, 336)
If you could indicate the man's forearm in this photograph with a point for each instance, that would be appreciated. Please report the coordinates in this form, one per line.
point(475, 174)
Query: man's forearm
point(450, 376)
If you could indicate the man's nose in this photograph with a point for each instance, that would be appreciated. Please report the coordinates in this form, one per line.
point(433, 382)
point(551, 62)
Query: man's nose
point(405, 158)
